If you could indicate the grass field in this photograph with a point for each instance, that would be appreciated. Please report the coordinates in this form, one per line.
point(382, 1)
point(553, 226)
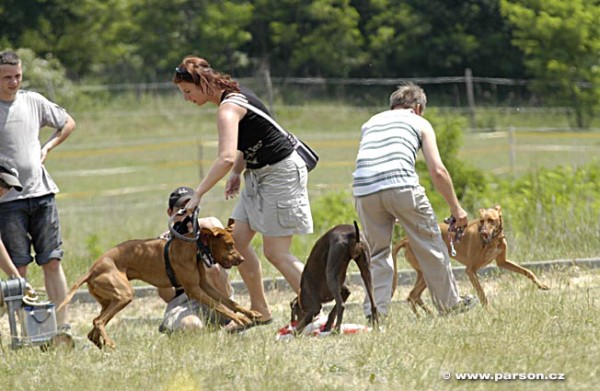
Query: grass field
point(525, 332)
point(117, 169)
point(115, 173)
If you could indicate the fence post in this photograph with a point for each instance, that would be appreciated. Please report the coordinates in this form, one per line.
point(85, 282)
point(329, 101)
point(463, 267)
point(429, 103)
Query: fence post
point(470, 97)
point(512, 150)
point(200, 160)
point(265, 69)
point(269, 84)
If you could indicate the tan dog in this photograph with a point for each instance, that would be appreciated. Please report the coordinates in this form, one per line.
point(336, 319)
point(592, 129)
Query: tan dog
point(483, 241)
point(109, 276)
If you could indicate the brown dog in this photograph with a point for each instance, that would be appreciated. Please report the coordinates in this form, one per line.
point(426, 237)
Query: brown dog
point(483, 241)
point(109, 276)
point(324, 275)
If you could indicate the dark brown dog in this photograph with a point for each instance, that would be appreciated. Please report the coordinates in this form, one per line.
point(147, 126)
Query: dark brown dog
point(324, 275)
point(109, 276)
point(483, 241)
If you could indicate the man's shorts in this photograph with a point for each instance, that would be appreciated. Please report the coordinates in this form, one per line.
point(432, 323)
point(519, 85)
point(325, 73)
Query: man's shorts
point(31, 222)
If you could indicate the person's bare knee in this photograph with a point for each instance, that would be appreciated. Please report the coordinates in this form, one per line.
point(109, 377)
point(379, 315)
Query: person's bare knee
point(277, 250)
point(56, 287)
point(191, 323)
point(22, 271)
point(242, 235)
point(52, 267)
point(55, 280)
point(273, 256)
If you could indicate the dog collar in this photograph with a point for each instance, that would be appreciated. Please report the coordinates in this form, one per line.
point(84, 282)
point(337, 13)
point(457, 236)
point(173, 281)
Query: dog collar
point(204, 253)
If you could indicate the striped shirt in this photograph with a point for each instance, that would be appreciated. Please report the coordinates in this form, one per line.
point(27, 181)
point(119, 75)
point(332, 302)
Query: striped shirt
point(388, 151)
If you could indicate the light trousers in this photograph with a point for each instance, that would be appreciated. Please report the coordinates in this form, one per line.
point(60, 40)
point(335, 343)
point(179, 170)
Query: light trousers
point(378, 212)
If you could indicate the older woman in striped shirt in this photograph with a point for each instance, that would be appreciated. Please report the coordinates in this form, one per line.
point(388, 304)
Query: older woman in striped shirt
point(386, 189)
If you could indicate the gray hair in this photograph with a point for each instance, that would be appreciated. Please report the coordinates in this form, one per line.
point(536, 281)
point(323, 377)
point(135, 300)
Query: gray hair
point(408, 95)
point(9, 58)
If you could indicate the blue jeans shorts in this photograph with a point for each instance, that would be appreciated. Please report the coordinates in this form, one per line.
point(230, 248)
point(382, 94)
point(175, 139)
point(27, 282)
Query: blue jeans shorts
point(31, 222)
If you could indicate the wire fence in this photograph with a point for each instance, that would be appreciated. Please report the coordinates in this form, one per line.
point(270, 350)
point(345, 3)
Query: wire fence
point(465, 95)
point(453, 91)
point(442, 91)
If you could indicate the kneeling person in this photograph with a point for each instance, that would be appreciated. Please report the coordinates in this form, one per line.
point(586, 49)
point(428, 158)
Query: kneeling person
point(183, 313)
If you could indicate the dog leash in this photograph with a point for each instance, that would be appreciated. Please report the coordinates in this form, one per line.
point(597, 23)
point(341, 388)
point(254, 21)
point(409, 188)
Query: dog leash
point(204, 253)
point(458, 233)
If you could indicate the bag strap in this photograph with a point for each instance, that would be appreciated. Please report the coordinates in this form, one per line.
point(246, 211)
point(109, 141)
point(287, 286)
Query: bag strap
point(256, 110)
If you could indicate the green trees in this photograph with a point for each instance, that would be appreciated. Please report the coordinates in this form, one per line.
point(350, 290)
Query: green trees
point(47, 74)
point(329, 42)
point(561, 42)
point(140, 40)
point(82, 35)
point(117, 41)
point(162, 33)
point(306, 38)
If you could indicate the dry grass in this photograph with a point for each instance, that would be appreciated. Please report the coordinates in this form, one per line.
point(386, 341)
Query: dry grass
point(523, 331)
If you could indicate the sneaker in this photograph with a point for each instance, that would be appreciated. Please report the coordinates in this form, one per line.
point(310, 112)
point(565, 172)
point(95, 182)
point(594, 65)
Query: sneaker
point(163, 329)
point(465, 304)
point(65, 329)
point(63, 338)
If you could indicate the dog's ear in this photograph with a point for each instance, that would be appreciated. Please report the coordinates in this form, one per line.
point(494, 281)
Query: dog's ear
point(481, 213)
point(230, 225)
point(498, 208)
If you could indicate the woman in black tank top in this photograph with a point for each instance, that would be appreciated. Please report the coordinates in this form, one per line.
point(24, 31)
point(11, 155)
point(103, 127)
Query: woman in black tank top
point(274, 201)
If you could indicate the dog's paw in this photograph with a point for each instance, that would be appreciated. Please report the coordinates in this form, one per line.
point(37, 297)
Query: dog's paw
point(254, 315)
point(239, 320)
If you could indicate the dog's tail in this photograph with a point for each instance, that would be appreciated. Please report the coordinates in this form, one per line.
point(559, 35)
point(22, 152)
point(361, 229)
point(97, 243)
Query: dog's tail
point(401, 244)
point(82, 280)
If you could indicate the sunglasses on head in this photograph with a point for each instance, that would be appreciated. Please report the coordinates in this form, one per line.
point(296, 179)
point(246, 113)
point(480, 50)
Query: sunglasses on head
point(183, 74)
